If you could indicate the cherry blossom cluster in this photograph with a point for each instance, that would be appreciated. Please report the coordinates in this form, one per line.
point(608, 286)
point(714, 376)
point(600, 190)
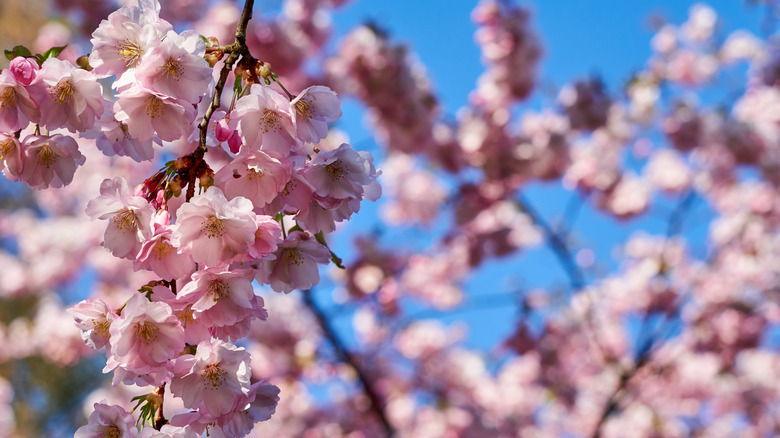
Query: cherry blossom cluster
point(179, 331)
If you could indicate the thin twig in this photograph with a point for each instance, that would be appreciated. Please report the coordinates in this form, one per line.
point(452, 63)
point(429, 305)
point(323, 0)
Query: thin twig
point(348, 358)
point(556, 243)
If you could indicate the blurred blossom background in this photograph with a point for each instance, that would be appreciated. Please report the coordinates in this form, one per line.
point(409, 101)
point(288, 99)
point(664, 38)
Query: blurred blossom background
point(578, 233)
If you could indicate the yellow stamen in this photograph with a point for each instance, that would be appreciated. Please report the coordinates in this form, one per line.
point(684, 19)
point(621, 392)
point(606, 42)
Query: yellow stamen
point(8, 98)
point(173, 68)
point(146, 333)
point(130, 52)
point(154, 107)
point(126, 220)
point(293, 257)
point(6, 147)
point(46, 156)
point(111, 431)
point(270, 121)
point(336, 170)
point(215, 375)
point(213, 227)
point(304, 108)
point(63, 92)
point(219, 290)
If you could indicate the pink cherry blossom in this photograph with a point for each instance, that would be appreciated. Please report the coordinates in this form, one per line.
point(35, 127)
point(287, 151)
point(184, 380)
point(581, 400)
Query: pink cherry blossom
point(121, 41)
point(342, 173)
point(295, 265)
point(115, 139)
point(68, 97)
point(11, 157)
point(94, 317)
point(50, 160)
point(216, 231)
point(158, 255)
point(24, 69)
point(312, 110)
point(214, 380)
point(267, 237)
point(220, 297)
point(108, 421)
point(176, 67)
point(130, 217)
point(146, 337)
point(255, 175)
point(17, 108)
point(148, 113)
point(264, 121)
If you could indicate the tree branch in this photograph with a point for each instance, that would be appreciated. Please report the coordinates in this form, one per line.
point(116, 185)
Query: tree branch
point(348, 358)
point(556, 243)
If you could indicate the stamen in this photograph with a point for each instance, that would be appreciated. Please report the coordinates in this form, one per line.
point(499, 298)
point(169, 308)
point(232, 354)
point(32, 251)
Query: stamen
point(8, 98)
point(154, 107)
point(6, 147)
point(215, 375)
point(146, 333)
point(213, 227)
point(111, 431)
point(336, 170)
point(219, 290)
point(162, 248)
point(304, 108)
point(270, 121)
point(130, 52)
point(173, 68)
point(63, 92)
point(46, 156)
point(293, 257)
point(101, 327)
point(126, 220)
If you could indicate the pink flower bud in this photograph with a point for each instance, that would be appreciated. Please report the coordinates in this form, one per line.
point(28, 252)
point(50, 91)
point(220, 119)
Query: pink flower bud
point(24, 69)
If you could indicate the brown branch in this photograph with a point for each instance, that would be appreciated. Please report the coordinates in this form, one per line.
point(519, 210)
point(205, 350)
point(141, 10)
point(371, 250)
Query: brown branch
point(235, 50)
point(348, 358)
point(159, 418)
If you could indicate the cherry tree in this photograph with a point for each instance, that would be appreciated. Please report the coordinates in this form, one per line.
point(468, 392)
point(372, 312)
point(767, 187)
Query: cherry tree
point(176, 187)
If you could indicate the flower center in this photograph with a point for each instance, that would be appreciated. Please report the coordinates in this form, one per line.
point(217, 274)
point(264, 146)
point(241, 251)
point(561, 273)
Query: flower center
point(130, 52)
point(8, 98)
point(63, 92)
point(293, 256)
point(46, 156)
point(162, 249)
point(219, 290)
point(173, 68)
point(304, 108)
point(111, 432)
point(154, 107)
point(215, 376)
point(336, 170)
point(6, 147)
point(270, 121)
point(126, 220)
point(101, 327)
point(146, 333)
point(213, 227)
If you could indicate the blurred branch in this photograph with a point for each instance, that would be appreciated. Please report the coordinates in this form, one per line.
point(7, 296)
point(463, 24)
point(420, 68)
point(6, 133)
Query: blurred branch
point(348, 358)
point(556, 243)
point(673, 227)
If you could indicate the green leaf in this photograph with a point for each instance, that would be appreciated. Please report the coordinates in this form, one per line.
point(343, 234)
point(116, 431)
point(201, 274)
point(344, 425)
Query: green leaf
point(333, 257)
point(17, 51)
point(205, 40)
point(237, 86)
point(53, 52)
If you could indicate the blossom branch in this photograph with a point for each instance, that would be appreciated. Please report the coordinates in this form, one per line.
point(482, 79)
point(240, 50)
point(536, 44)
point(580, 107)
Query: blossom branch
point(559, 247)
point(349, 359)
point(234, 51)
